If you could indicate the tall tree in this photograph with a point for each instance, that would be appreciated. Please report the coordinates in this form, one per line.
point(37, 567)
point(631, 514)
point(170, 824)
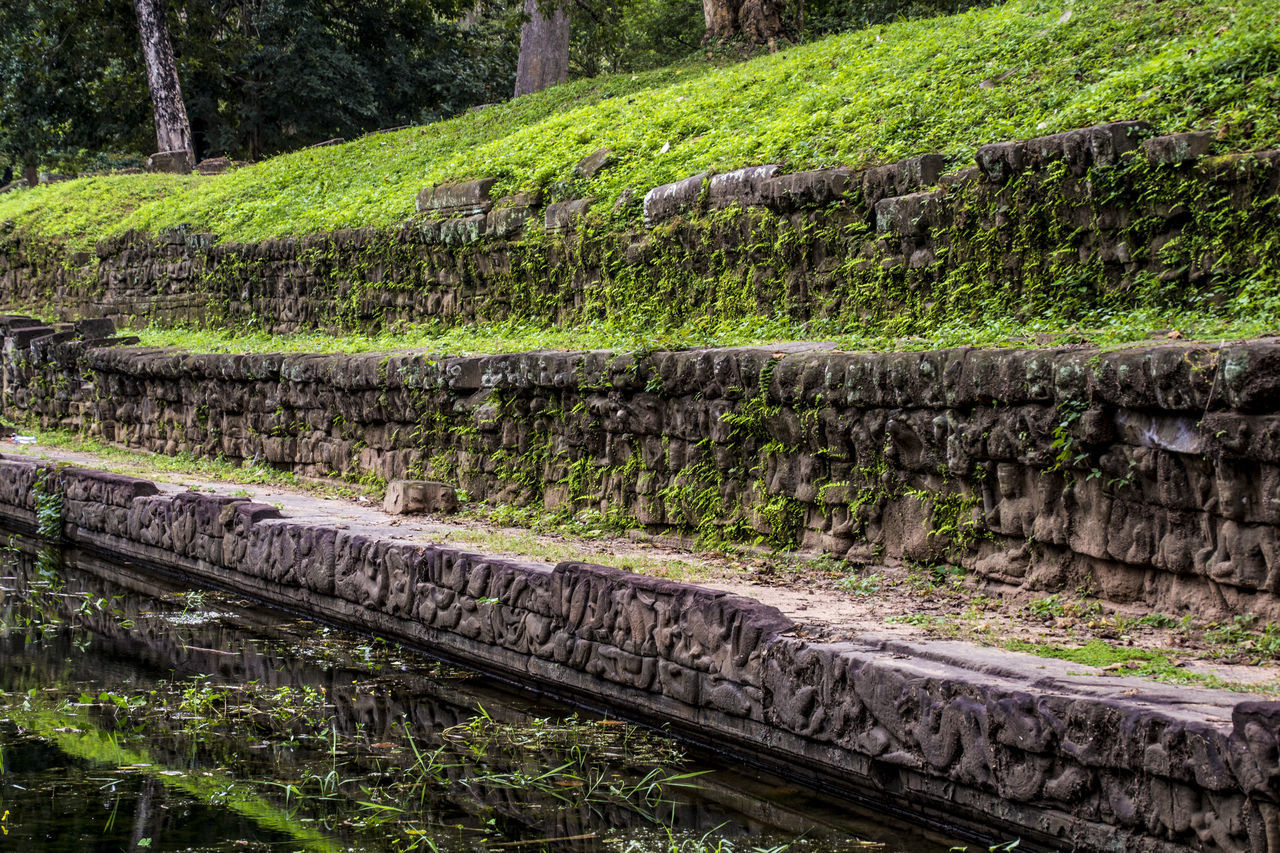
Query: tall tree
point(544, 47)
point(173, 130)
point(756, 21)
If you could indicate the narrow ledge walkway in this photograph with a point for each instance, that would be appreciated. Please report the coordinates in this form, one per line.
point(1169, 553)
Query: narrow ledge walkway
point(927, 613)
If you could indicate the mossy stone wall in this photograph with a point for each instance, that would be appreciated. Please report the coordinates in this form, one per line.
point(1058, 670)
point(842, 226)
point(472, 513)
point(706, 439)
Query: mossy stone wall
point(1146, 475)
point(1103, 218)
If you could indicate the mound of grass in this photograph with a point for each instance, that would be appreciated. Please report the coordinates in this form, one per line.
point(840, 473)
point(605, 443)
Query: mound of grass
point(81, 211)
point(945, 84)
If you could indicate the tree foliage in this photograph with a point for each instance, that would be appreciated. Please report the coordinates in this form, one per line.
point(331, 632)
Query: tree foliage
point(270, 75)
point(259, 76)
point(637, 35)
point(817, 18)
point(71, 83)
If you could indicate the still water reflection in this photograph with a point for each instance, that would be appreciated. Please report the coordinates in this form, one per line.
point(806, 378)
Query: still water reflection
point(139, 714)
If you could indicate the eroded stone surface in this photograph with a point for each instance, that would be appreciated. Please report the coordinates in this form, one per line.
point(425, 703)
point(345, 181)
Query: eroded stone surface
point(1169, 496)
point(990, 739)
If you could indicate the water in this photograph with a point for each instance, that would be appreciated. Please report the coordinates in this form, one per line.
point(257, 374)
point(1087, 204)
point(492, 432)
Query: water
point(140, 714)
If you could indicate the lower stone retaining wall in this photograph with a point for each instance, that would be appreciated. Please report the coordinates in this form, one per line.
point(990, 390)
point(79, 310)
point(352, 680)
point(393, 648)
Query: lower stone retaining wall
point(1005, 746)
point(1147, 475)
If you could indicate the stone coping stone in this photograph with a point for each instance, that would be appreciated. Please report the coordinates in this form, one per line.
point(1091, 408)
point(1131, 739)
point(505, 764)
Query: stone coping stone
point(1100, 145)
point(1172, 377)
point(749, 186)
point(681, 197)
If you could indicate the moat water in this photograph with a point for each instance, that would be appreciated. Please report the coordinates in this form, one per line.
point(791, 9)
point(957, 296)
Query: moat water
point(140, 714)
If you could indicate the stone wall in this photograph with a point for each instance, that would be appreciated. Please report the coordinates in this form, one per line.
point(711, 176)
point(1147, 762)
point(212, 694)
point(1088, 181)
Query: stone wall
point(1084, 215)
point(1012, 745)
point(413, 703)
point(1148, 475)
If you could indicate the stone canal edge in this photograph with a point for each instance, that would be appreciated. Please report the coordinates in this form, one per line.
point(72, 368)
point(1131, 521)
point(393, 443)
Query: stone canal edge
point(989, 743)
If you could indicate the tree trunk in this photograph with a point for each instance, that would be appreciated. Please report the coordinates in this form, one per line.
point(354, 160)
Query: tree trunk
point(761, 21)
point(173, 131)
point(722, 19)
point(755, 21)
point(31, 174)
point(544, 48)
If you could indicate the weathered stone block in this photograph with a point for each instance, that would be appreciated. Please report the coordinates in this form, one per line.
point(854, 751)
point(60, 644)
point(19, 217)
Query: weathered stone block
point(594, 163)
point(669, 200)
point(747, 187)
point(1000, 161)
point(177, 162)
point(1174, 148)
point(460, 232)
point(565, 215)
point(1100, 145)
point(213, 165)
point(908, 215)
point(457, 200)
point(510, 214)
point(21, 338)
point(812, 189)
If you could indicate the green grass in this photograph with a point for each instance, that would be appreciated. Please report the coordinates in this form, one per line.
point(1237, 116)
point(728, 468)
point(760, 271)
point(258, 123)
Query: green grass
point(81, 211)
point(180, 466)
point(1156, 665)
point(510, 336)
point(358, 183)
point(629, 334)
point(869, 96)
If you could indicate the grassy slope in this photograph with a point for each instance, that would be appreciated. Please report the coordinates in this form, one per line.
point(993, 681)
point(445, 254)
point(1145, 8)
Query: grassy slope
point(80, 211)
point(306, 184)
point(869, 96)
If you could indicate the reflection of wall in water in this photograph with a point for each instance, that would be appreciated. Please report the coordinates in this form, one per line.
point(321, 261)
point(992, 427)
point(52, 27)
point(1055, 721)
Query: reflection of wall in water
point(143, 626)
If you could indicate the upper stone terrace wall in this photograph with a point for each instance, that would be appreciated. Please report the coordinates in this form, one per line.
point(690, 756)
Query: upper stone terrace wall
point(1006, 746)
point(1072, 216)
point(1144, 475)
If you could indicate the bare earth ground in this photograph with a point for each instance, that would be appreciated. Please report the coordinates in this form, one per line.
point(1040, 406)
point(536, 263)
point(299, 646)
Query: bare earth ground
point(828, 599)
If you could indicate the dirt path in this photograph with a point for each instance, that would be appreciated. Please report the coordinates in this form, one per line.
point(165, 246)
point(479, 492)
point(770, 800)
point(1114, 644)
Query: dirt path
point(830, 600)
